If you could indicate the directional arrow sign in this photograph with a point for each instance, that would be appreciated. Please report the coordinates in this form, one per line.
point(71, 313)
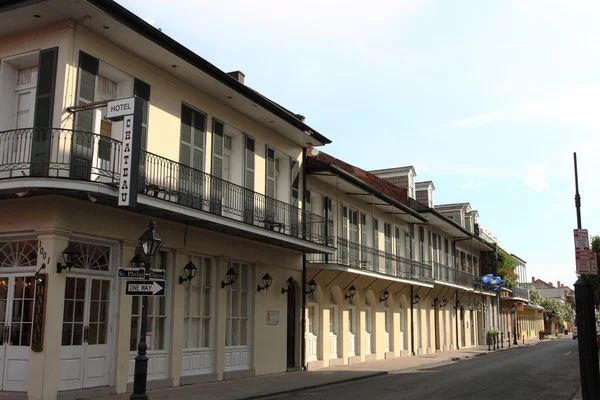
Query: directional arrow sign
point(158, 274)
point(145, 288)
point(131, 273)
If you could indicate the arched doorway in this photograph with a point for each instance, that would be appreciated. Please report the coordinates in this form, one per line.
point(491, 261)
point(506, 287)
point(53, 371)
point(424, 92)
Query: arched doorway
point(368, 324)
point(462, 327)
point(387, 325)
point(333, 325)
point(86, 340)
point(312, 331)
point(351, 327)
point(18, 261)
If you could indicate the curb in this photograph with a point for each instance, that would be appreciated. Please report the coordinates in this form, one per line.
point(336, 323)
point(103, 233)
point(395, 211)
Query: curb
point(316, 386)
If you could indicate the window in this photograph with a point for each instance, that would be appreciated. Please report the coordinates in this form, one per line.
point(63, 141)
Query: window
point(238, 307)
point(27, 76)
point(198, 306)
point(387, 240)
point(375, 241)
point(107, 87)
point(434, 243)
point(447, 252)
point(191, 146)
point(332, 314)
point(157, 314)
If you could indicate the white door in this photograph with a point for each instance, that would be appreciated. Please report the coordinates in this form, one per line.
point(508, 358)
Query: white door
point(312, 334)
point(333, 344)
point(351, 331)
point(85, 351)
point(16, 316)
point(368, 329)
point(387, 328)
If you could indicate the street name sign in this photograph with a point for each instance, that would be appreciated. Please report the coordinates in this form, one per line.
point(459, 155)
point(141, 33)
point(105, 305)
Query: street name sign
point(582, 251)
point(145, 288)
point(132, 273)
point(158, 274)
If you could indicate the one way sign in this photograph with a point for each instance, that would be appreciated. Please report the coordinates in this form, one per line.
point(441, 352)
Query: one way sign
point(145, 288)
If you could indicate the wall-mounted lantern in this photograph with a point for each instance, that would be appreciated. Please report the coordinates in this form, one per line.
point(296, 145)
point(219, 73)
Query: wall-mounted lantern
point(352, 292)
point(190, 272)
point(470, 306)
point(386, 296)
point(70, 256)
point(231, 276)
point(266, 281)
point(312, 286)
point(416, 299)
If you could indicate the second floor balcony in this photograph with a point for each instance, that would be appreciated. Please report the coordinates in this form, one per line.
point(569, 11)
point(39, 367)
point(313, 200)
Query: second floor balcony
point(520, 293)
point(166, 187)
point(360, 257)
point(452, 275)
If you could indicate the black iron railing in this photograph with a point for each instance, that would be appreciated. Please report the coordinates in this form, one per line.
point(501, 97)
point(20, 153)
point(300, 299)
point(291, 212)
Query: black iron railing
point(71, 154)
point(366, 258)
point(520, 293)
point(448, 274)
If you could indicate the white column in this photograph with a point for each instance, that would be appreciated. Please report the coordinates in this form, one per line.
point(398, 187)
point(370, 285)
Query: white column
point(123, 322)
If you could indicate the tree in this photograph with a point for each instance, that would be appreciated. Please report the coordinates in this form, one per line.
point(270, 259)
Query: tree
point(562, 311)
point(505, 267)
point(595, 279)
point(535, 297)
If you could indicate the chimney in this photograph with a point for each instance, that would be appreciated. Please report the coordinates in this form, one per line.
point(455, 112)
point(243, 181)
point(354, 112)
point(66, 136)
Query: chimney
point(424, 193)
point(533, 279)
point(558, 285)
point(300, 117)
point(237, 75)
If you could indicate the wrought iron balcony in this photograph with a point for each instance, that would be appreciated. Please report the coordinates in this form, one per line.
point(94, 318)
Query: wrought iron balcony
point(78, 155)
point(520, 293)
point(355, 255)
point(455, 276)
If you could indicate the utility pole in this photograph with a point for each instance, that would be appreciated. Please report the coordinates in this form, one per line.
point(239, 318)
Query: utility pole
point(586, 322)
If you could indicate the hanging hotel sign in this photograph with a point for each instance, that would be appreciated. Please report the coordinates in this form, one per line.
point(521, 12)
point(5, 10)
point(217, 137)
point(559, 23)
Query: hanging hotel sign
point(39, 313)
point(130, 111)
point(582, 252)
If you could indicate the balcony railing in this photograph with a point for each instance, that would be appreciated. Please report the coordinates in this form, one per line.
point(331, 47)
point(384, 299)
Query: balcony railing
point(448, 274)
point(71, 154)
point(366, 258)
point(520, 293)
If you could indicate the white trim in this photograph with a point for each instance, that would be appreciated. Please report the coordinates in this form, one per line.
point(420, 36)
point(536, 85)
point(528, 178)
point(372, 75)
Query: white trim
point(368, 273)
point(56, 183)
point(443, 283)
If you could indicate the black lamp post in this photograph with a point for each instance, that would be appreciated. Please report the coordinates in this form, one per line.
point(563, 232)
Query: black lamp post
point(149, 243)
point(514, 313)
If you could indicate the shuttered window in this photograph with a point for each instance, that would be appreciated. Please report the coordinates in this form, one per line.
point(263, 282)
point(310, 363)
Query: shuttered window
point(270, 184)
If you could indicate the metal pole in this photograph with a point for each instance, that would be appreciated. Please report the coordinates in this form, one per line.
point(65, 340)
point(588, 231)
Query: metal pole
point(140, 374)
point(515, 328)
point(412, 322)
point(586, 326)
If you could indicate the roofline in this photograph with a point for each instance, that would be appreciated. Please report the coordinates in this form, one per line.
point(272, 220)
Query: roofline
point(365, 186)
point(427, 209)
point(518, 258)
point(141, 27)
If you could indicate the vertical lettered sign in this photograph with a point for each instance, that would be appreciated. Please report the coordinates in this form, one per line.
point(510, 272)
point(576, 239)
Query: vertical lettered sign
point(39, 313)
point(130, 110)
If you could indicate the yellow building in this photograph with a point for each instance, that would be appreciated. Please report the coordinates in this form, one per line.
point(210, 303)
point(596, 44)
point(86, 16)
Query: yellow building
point(219, 171)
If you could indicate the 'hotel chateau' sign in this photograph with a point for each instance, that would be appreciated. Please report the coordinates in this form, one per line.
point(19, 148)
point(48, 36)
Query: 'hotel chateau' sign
point(130, 111)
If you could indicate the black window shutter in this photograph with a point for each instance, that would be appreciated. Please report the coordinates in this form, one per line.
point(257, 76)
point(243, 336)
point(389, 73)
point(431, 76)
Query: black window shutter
point(249, 159)
point(46, 84)
point(88, 69)
point(142, 90)
point(295, 183)
point(270, 171)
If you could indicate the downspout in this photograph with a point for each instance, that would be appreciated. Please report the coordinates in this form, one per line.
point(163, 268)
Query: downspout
point(303, 301)
point(456, 318)
point(412, 322)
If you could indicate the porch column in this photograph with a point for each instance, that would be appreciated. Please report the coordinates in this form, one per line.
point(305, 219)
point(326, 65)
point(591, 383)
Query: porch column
point(44, 366)
point(123, 321)
point(177, 306)
point(220, 315)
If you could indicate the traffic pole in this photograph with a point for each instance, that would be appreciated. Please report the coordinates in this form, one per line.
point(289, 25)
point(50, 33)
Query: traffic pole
point(586, 325)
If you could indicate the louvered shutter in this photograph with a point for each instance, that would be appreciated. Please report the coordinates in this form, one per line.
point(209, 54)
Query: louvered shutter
point(249, 180)
point(44, 109)
point(217, 184)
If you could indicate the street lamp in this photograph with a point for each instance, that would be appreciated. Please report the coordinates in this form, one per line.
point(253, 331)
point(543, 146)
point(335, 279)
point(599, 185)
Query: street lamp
point(514, 313)
point(149, 243)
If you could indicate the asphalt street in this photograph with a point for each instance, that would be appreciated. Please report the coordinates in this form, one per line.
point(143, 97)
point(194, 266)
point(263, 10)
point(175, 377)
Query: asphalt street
point(549, 370)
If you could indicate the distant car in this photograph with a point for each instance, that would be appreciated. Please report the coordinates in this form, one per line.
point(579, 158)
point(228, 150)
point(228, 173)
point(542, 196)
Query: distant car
point(574, 332)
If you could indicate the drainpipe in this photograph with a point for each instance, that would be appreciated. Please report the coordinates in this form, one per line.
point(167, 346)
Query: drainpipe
point(303, 301)
point(456, 318)
point(412, 322)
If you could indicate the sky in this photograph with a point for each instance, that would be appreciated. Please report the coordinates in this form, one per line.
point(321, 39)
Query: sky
point(488, 99)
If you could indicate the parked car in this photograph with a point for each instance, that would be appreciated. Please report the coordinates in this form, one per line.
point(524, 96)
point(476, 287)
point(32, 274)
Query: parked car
point(574, 332)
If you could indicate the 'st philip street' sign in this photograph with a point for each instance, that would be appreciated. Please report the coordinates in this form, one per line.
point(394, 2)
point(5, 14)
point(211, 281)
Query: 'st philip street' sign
point(145, 288)
point(132, 273)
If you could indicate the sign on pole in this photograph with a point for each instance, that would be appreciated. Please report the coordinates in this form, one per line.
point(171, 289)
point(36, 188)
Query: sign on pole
point(145, 288)
point(130, 111)
point(158, 274)
point(520, 306)
point(582, 251)
point(132, 273)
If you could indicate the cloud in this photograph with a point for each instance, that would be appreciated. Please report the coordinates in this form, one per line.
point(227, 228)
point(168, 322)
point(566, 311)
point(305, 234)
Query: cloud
point(536, 178)
point(576, 106)
point(467, 185)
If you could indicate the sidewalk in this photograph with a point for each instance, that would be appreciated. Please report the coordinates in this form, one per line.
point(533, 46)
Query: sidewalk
point(270, 385)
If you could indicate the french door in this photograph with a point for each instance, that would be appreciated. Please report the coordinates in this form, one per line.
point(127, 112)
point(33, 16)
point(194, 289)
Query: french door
point(16, 312)
point(85, 346)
